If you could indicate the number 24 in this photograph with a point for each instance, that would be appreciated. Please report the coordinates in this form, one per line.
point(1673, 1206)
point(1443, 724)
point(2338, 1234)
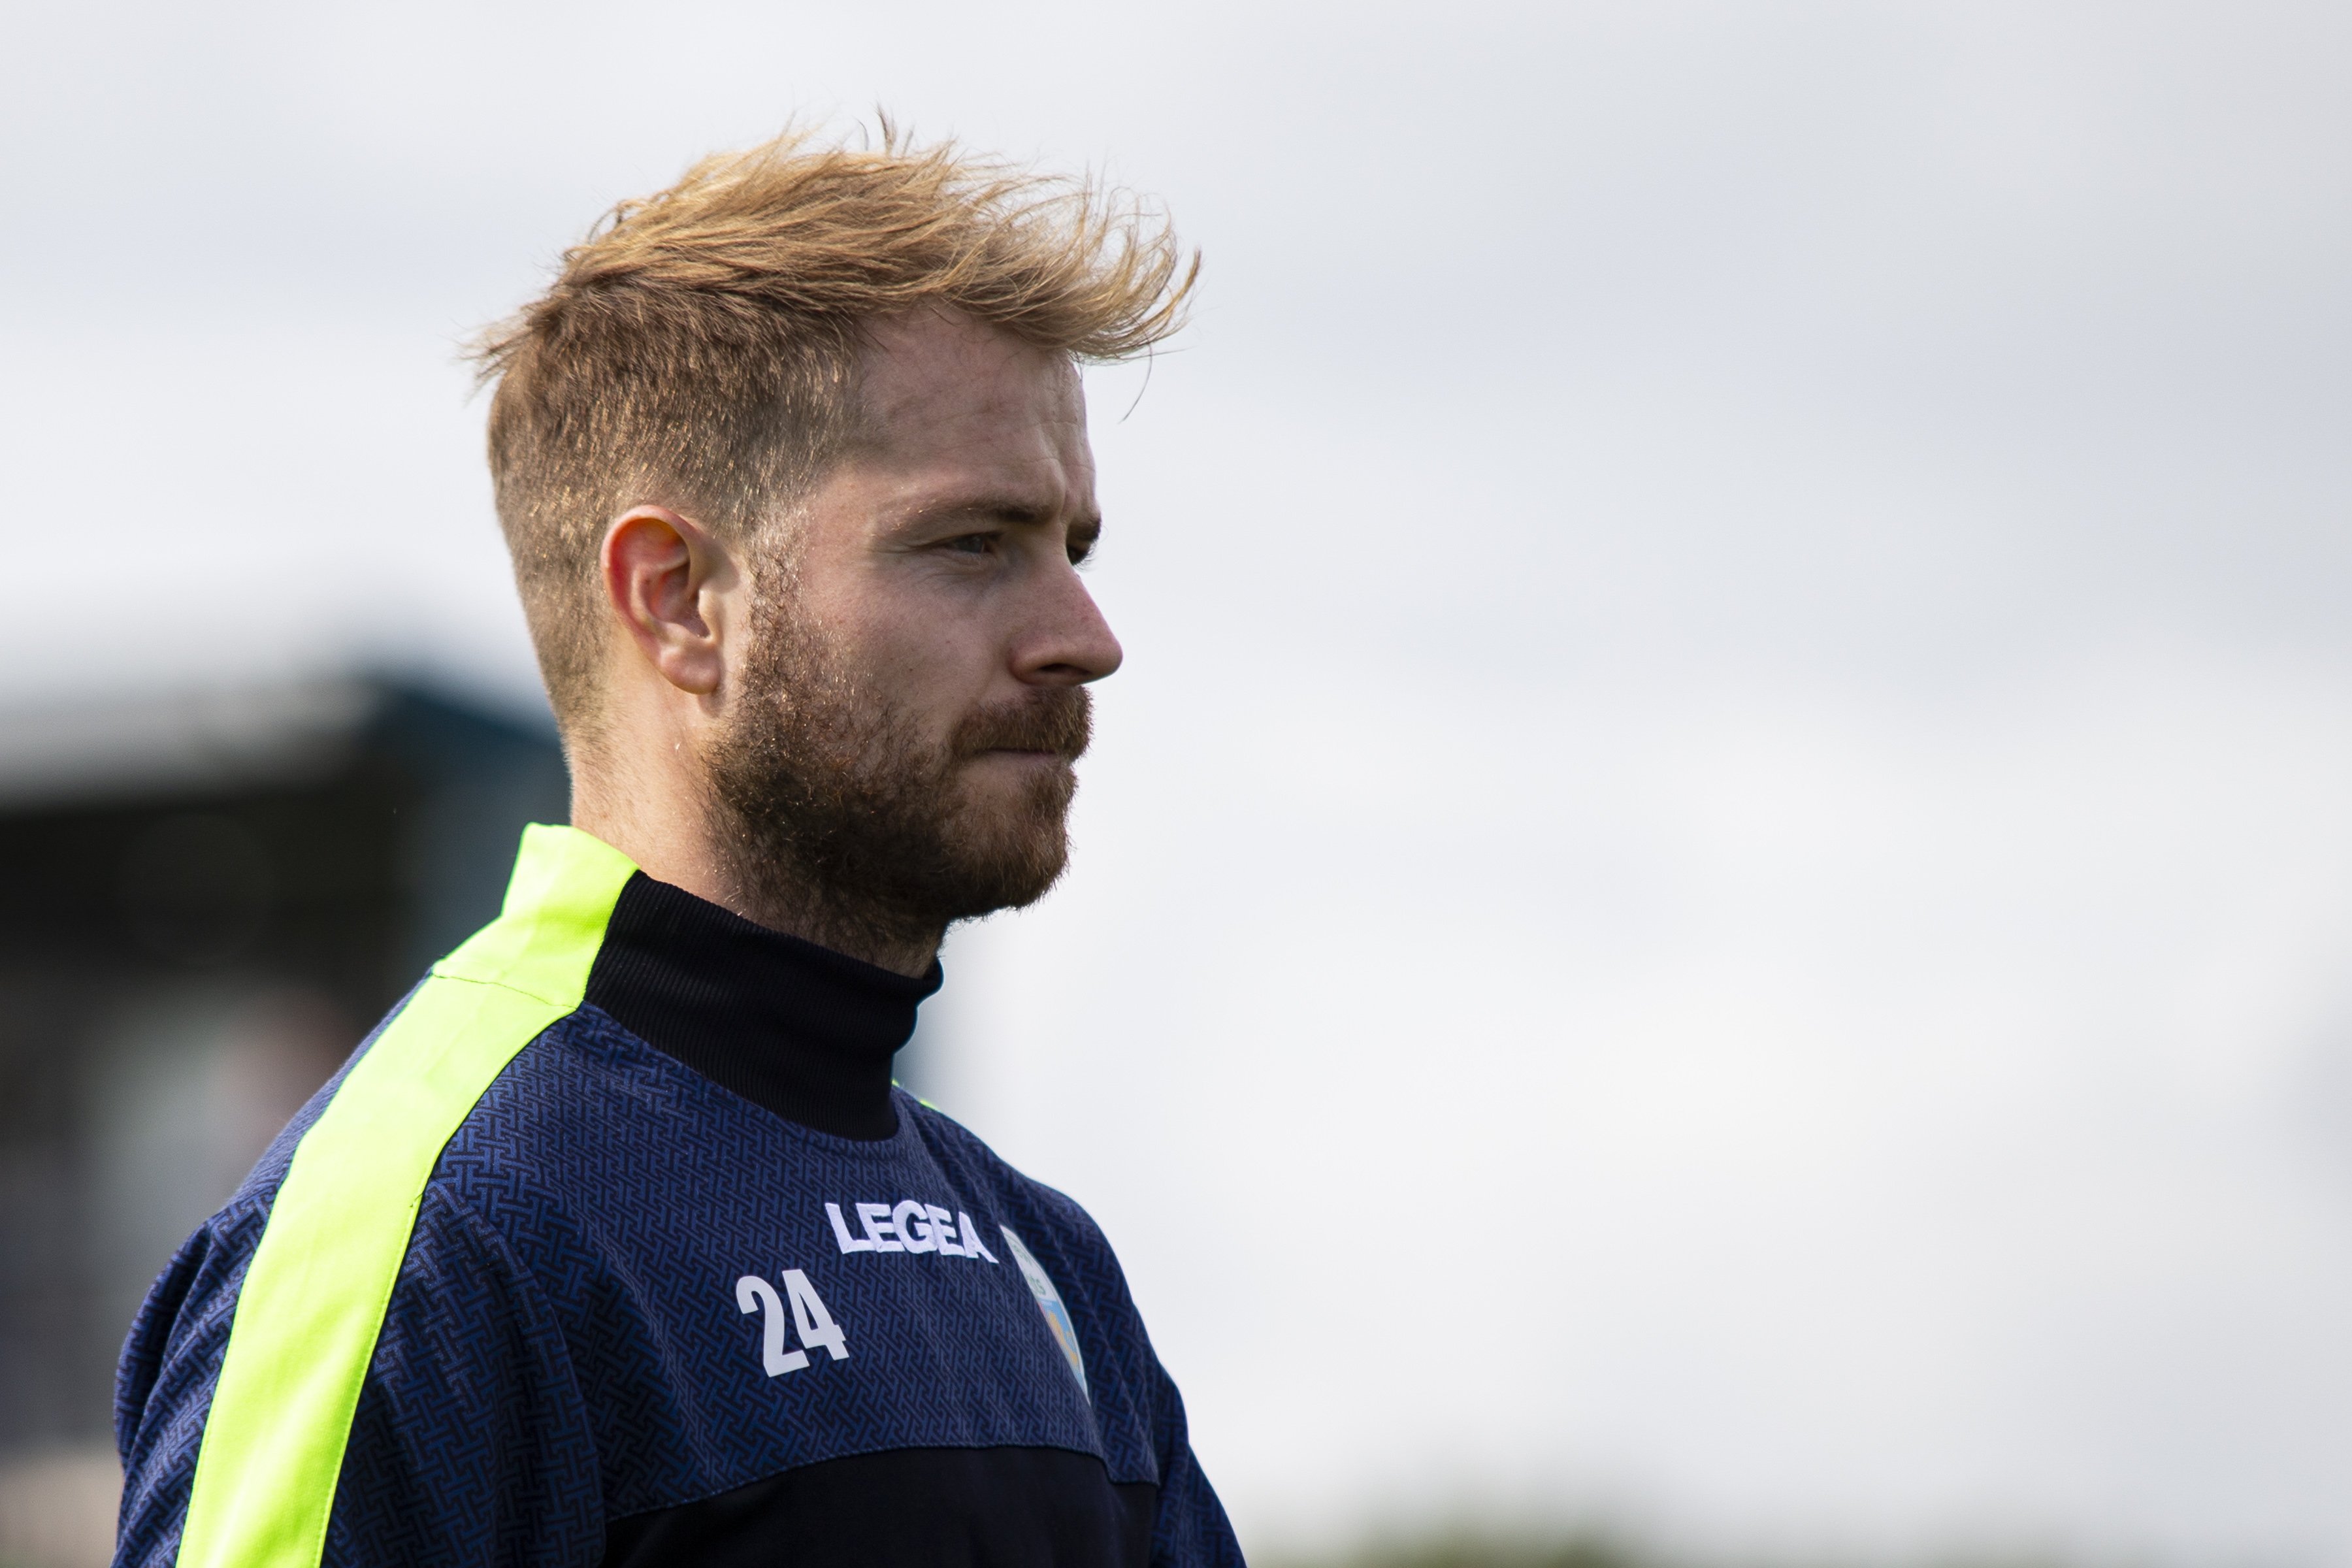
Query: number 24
point(815, 1324)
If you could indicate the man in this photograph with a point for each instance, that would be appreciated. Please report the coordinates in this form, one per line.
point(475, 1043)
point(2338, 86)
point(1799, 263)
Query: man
point(614, 1243)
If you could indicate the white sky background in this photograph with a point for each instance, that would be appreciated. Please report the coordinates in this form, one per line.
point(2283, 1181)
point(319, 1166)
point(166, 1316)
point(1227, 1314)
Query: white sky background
point(1718, 884)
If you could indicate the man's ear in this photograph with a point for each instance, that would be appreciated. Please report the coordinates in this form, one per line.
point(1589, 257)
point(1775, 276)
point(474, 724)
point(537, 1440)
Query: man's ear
point(663, 572)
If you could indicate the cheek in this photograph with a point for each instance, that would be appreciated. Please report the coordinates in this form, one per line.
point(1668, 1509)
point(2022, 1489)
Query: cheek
point(935, 668)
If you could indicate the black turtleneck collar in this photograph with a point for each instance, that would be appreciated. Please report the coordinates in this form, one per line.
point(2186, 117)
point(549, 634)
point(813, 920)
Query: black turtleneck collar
point(801, 1029)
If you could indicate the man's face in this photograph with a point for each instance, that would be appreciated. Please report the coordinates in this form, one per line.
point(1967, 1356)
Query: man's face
point(906, 715)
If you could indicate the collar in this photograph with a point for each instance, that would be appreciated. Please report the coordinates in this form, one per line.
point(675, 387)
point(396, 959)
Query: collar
point(803, 1030)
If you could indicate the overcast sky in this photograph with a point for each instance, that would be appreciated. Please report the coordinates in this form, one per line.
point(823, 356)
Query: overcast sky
point(1718, 885)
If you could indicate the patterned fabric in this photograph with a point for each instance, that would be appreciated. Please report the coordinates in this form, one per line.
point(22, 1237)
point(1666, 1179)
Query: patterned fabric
point(568, 1343)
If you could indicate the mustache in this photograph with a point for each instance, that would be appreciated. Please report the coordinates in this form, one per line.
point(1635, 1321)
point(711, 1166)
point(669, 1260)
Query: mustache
point(1060, 721)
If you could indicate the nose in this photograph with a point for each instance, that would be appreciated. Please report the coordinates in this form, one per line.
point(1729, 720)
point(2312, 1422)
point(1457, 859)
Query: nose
point(1067, 643)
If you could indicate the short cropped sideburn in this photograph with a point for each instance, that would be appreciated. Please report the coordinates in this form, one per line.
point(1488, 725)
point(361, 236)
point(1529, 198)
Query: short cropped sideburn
point(696, 351)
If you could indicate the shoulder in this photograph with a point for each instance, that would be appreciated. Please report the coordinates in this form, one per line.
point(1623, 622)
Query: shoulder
point(183, 1326)
point(577, 1092)
point(1071, 1268)
point(387, 1156)
point(1047, 1209)
point(326, 1162)
point(1052, 1228)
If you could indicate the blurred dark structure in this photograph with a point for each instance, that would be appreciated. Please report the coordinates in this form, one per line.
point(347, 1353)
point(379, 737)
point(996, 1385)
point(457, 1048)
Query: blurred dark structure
point(204, 903)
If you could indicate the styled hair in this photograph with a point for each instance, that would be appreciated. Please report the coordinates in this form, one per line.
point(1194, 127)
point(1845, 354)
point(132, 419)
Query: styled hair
point(698, 349)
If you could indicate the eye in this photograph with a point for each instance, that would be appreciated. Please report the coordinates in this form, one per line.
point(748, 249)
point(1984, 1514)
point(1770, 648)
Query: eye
point(972, 544)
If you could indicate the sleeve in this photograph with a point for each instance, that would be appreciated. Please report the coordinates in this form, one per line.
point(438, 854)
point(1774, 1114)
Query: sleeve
point(1191, 1531)
point(165, 1383)
point(470, 1447)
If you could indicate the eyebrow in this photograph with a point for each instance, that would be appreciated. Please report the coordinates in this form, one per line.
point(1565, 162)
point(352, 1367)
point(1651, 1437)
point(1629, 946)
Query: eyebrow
point(1010, 509)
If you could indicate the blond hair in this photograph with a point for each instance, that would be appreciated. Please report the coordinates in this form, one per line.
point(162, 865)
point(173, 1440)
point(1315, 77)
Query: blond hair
point(697, 349)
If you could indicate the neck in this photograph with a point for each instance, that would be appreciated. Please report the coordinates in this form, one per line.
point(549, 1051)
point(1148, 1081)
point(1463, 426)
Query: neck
point(655, 807)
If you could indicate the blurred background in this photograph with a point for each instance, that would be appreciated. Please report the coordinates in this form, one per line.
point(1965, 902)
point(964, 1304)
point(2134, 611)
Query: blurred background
point(1715, 904)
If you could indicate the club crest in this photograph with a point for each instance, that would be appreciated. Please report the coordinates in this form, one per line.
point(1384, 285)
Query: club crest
point(1049, 1302)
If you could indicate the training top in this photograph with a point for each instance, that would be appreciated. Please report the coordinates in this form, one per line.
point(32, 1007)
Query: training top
point(614, 1244)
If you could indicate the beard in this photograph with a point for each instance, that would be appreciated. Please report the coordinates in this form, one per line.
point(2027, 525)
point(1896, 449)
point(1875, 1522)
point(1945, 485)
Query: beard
point(842, 823)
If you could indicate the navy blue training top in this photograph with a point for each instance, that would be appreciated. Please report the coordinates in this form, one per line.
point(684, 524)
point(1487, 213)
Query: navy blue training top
point(693, 1283)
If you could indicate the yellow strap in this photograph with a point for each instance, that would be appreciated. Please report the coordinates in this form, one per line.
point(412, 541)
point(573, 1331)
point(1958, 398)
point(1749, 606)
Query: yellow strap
point(314, 1295)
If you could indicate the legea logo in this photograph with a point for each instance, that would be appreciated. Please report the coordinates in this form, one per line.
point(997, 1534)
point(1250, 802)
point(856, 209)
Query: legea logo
point(909, 1227)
